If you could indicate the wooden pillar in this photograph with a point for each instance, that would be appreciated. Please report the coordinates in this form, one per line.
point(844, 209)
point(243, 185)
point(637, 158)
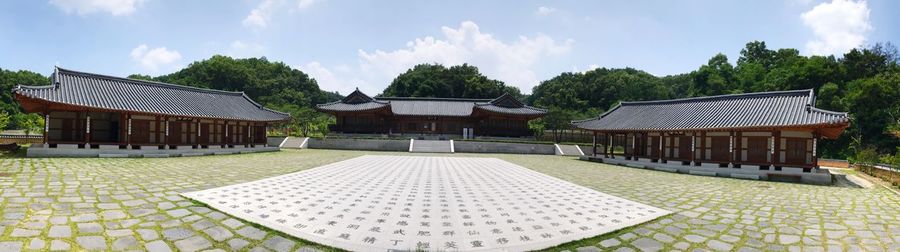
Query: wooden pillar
point(611, 146)
point(662, 147)
point(166, 138)
point(227, 141)
point(736, 155)
point(776, 149)
point(46, 128)
point(702, 148)
point(594, 145)
point(815, 156)
point(87, 131)
point(128, 133)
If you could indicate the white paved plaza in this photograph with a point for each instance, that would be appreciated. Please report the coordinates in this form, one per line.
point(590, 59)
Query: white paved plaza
point(376, 203)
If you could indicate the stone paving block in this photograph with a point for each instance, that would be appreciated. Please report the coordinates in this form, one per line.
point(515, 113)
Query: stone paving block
point(148, 234)
point(279, 244)
point(157, 246)
point(19, 232)
point(91, 242)
point(126, 242)
point(218, 233)
point(59, 245)
point(252, 233)
point(60, 232)
point(12, 246)
point(178, 233)
point(232, 223)
point(647, 244)
point(194, 243)
point(89, 228)
point(237, 243)
point(177, 213)
point(36, 244)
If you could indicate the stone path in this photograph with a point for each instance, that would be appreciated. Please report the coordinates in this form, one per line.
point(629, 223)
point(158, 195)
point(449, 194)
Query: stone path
point(405, 203)
point(86, 196)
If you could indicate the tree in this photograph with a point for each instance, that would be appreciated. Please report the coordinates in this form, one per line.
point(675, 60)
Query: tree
point(4, 120)
point(31, 123)
point(435, 80)
point(714, 78)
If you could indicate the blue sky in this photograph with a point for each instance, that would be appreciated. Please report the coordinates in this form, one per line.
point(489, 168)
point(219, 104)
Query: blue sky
point(349, 44)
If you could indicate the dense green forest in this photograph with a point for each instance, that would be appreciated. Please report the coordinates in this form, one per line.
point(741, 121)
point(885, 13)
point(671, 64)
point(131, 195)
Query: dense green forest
point(273, 84)
point(435, 80)
point(864, 82)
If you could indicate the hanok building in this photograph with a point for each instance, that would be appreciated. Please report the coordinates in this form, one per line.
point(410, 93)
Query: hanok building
point(501, 117)
point(762, 134)
point(91, 115)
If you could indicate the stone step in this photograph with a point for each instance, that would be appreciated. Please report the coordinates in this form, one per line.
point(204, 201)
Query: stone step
point(745, 176)
point(568, 150)
point(156, 155)
point(431, 146)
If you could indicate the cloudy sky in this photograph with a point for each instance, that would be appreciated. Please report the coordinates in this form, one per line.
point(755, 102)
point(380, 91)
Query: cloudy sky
point(348, 44)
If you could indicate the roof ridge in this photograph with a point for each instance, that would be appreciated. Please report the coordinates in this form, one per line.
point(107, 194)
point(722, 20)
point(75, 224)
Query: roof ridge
point(146, 82)
point(715, 97)
point(431, 99)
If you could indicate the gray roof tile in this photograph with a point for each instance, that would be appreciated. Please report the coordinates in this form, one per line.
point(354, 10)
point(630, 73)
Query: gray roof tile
point(751, 110)
point(123, 94)
point(409, 106)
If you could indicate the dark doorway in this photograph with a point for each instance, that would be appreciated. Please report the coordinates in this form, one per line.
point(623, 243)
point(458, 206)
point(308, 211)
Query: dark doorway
point(757, 149)
point(719, 148)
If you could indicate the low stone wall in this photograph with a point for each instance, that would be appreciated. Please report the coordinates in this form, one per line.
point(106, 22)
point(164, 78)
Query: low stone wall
point(358, 144)
point(836, 163)
point(501, 147)
point(274, 141)
point(787, 174)
point(68, 151)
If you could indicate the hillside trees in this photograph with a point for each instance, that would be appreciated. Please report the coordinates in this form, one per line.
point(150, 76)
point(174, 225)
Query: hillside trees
point(435, 80)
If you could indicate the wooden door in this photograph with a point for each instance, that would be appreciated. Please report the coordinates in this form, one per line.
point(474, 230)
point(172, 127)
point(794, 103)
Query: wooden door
point(640, 145)
point(140, 131)
point(719, 148)
point(795, 151)
point(757, 149)
point(654, 147)
point(175, 133)
point(67, 133)
point(204, 133)
point(684, 147)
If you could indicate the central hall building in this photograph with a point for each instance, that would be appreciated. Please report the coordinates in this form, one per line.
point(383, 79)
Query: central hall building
point(504, 116)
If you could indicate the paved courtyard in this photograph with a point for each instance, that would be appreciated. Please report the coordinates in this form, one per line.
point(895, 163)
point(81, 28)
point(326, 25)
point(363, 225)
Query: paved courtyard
point(382, 203)
point(123, 204)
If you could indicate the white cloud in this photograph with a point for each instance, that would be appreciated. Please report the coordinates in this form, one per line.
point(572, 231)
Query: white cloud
point(512, 62)
point(544, 11)
point(153, 59)
point(839, 26)
point(84, 7)
point(304, 4)
point(240, 49)
point(330, 81)
point(261, 15)
point(590, 67)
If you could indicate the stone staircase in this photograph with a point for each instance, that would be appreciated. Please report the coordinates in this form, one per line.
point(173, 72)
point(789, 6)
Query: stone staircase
point(431, 146)
point(295, 143)
point(568, 150)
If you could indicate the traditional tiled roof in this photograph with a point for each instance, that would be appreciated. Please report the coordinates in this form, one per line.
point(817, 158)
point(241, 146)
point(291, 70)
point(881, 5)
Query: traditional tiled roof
point(410, 106)
point(130, 95)
point(506, 104)
point(356, 101)
point(778, 109)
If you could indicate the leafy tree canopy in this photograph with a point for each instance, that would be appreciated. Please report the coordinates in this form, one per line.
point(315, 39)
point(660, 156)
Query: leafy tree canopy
point(436, 80)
